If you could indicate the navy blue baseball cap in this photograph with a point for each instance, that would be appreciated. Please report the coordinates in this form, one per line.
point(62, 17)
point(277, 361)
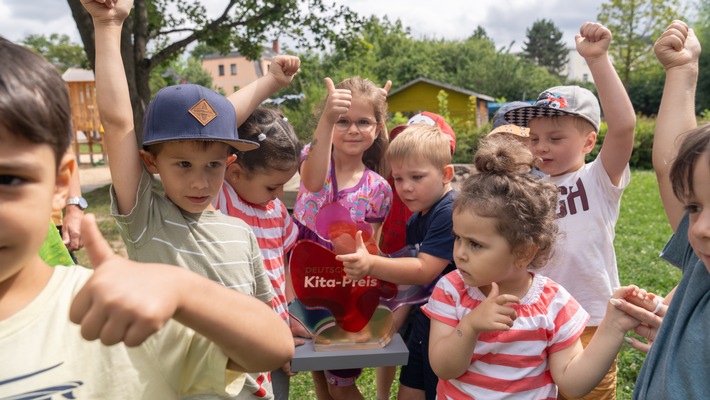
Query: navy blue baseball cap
point(192, 112)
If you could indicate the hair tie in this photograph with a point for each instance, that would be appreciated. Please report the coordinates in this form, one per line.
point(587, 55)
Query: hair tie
point(285, 119)
point(261, 137)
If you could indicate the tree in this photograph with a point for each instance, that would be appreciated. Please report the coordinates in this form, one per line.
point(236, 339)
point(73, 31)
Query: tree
point(635, 24)
point(58, 49)
point(544, 46)
point(158, 31)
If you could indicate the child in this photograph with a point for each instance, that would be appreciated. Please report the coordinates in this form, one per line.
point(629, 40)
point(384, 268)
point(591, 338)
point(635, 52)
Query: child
point(394, 227)
point(162, 328)
point(564, 123)
point(499, 330)
point(501, 125)
point(251, 191)
point(394, 238)
point(675, 367)
point(342, 164)
point(189, 133)
point(420, 158)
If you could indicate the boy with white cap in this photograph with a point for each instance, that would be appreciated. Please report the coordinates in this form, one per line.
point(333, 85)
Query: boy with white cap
point(564, 123)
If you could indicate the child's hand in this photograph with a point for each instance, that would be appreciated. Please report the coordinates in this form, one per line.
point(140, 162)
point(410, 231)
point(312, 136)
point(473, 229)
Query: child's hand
point(124, 301)
point(494, 313)
point(677, 46)
point(357, 265)
point(284, 68)
point(108, 11)
point(384, 91)
point(619, 319)
point(647, 308)
point(593, 40)
point(338, 102)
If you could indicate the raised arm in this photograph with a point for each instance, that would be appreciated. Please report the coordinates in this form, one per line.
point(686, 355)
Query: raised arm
point(315, 167)
point(127, 301)
point(593, 43)
point(247, 99)
point(678, 51)
point(114, 101)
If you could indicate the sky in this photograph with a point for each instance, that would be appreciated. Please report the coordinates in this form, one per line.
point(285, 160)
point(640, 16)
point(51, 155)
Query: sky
point(505, 21)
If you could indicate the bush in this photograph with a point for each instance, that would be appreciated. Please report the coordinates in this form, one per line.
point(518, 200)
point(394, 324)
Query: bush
point(643, 143)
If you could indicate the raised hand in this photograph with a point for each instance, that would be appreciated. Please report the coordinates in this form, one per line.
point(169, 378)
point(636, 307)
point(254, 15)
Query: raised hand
point(677, 46)
point(384, 91)
point(338, 102)
point(284, 68)
point(124, 301)
point(495, 313)
point(593, 40)
point(108, 11)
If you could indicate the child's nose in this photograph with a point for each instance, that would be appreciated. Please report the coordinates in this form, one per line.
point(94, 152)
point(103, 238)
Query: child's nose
point(200, 181)
point(701, 226)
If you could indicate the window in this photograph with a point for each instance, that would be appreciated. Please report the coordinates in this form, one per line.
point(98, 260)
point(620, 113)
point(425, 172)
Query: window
point(585, 77)
point(221, 70)
point(233, 68)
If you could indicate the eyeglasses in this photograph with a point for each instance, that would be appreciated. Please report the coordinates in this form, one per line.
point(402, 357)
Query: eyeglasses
point(362, 125)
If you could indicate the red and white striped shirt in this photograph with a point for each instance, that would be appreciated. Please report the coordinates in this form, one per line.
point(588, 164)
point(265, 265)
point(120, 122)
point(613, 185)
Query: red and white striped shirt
point(514, 361)
point(275, 233)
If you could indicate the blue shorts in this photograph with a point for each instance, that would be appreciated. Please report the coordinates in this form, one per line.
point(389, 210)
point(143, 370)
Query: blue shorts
point(417, 374)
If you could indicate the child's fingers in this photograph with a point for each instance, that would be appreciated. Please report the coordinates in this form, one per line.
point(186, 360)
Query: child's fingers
point(91, 318)
point(96, 246)
point(387, 87)
point(114, 329)
point(637, 344)
point(329, 85)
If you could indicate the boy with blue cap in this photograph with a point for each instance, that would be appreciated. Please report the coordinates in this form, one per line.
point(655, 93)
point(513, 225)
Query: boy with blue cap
point(189, 138)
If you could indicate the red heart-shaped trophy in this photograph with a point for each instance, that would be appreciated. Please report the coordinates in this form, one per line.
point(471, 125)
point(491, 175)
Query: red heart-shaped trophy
point(319, 280)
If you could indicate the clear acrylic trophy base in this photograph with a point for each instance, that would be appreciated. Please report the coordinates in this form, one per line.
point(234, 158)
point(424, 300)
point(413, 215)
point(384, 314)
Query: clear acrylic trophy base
point(376, 334)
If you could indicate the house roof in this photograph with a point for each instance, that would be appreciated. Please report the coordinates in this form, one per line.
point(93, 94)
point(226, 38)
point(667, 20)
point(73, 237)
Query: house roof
point(78, 75)
point(443, 85)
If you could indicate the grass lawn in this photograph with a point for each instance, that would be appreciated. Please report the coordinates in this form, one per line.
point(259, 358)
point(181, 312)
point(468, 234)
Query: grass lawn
point(641, 232)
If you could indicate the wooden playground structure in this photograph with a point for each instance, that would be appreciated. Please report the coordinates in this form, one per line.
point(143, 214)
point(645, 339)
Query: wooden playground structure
point(88, 134)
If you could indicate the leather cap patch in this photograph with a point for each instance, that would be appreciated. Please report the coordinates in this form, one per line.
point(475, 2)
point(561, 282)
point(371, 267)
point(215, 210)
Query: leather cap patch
point(203, 112)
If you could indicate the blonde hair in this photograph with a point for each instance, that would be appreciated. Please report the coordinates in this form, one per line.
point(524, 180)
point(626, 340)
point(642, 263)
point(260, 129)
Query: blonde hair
point(421, 142)
point(503, 188)
point(373, 158)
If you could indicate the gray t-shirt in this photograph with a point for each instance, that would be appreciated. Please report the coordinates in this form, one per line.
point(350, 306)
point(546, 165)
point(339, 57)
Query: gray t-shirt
point(219, 247)
point(677, 365)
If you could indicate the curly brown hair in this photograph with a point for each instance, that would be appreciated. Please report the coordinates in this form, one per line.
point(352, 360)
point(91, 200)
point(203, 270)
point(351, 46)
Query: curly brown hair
point(503, 187)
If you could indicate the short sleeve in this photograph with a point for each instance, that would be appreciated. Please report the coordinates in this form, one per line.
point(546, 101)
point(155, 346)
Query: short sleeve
point(439, 239)
point(380, 200)
point(443, 301)
point(677, 250)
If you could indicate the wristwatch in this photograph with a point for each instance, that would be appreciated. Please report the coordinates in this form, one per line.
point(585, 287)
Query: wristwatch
point(77, 201)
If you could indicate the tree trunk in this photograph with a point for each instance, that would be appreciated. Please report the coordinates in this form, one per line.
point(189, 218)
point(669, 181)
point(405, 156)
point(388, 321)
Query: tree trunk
point(136, 75)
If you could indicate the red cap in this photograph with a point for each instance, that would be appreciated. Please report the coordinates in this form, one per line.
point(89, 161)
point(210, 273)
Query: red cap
point(431, 119)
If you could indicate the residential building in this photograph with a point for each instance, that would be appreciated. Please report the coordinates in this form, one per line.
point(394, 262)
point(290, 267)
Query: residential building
point(234, 71)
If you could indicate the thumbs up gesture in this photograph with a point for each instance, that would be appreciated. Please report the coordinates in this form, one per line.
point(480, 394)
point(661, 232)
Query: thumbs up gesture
point(337, 103)
point(495, 313)
point(124, 301)
point(357, 265)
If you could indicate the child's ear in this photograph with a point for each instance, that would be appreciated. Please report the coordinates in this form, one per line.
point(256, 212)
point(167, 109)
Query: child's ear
point(234, 170)
point(589, 141)
point(66, 168)
point(448, 173)
point(149, 161)
point(524, 255)
point(231, 158)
